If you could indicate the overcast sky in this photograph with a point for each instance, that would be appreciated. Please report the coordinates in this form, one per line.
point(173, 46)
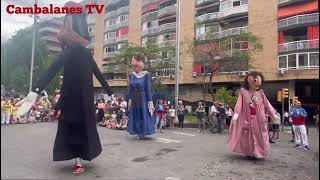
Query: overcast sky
point(10, 23)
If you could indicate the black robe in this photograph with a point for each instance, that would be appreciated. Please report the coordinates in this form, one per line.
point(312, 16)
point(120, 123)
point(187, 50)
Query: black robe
point(77, 134)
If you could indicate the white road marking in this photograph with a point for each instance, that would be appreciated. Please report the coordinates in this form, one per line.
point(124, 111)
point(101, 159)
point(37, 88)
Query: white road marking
point(166, 141)
point(186, 134)
point(171, 178)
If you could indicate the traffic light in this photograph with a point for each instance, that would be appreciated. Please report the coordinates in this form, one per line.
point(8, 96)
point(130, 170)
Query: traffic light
point(285, 93)
point(279, 96)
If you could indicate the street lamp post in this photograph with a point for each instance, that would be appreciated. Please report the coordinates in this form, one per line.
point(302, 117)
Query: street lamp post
point(33, 46)
point(177, 62)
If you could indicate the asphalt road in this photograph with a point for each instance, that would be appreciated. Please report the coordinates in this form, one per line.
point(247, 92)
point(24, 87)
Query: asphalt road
point(26, 153)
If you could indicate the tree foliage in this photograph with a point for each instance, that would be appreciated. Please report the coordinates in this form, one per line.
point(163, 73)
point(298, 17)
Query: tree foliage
point(16, 61)
point(227, 54)
point(226, 96)
point(154, 61)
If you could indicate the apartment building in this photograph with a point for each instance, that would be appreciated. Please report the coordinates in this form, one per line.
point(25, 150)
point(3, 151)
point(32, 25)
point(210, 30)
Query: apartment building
point(48, 30)
point(287, 30)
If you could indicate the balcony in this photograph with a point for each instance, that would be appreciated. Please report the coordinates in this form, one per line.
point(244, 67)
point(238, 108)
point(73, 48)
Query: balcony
point(116, 40)
point(152, 30)
point(309, 60)
point(233, 10)
point(222, 34)
point(167, 10)
point(149, 16)
point(168, 26)
point(110, 54)
point(298, 45)
point(116, 26)
point(298, 20)
point(122, 10)
point(167, 43)
point(208, 17)
point(50, 38)
point(146, 2)
point(49, 29)
point(204, 1)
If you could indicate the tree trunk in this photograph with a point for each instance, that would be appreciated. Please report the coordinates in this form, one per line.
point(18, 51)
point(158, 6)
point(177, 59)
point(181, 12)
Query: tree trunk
point(204, 85)
point(211, 86)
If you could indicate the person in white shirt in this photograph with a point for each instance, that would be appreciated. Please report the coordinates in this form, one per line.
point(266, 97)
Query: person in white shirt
point(213, 117)
point(286, 118)
point(172, 116)
point(229, 113)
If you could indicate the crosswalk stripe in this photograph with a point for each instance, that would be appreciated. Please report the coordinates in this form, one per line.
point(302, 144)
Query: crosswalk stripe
point(186, 134)
point(166, 141)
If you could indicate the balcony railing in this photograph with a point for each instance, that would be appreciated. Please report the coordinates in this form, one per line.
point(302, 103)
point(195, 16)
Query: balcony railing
point(207, 17)
point(299, 19)
point(116, 26)
point(49, 29)
point(146, 2)
point(167, 10)
point(222, 34)
point(167, 43)
point(203, 1)
point(168, 26)
point(152, 30)
point(299, 45)
point(110, 54)
point(50, 38)
point(149, 16)
point(117, 12)
point(91, 46)
point(308, 60)
point(233, 10)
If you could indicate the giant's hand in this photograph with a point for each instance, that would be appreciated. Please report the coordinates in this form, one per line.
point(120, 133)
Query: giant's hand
point(26, 103)
point(70, 37)
point(235, 117)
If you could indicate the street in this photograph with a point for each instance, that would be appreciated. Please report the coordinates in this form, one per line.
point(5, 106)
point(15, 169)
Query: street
point(26, 153)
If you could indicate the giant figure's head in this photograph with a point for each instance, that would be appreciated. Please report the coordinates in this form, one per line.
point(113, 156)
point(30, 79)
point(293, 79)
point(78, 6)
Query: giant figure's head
point(253, 80)
point(78, 22)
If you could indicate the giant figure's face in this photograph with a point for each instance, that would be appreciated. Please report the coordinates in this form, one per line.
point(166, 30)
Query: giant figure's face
point(254, 82)
point(137, 65)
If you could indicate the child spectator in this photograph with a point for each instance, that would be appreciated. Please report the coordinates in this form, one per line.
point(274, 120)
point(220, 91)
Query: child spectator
point(172, 116)
point(6, 112)
point(276, 127)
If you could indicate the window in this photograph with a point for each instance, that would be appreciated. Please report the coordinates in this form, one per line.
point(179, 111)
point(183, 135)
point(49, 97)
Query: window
point(282, 62)
point(236, 3)
point(111, 35)
point(112, 22)
point(211, 29)
point(236, 45)
point(123, 17)
point(303, 60)
point(314, 59)
point(110, 49)
point(200, 31)
point(292, 61)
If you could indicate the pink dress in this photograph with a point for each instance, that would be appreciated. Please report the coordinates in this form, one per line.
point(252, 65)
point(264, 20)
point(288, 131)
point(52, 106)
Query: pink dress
point(249, 134)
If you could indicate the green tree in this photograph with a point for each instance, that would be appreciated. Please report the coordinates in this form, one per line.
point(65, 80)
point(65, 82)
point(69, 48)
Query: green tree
point(226, 96)
point(154, 61)
point(16, 61)
point(223, 54)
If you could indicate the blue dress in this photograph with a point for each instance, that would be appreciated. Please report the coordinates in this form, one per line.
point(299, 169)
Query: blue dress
point(140, 99)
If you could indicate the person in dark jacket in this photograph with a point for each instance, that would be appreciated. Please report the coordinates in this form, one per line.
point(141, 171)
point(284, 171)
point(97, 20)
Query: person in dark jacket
point(222, 116)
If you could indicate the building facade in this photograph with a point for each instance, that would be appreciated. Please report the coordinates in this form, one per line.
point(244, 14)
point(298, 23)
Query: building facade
point(48, 30)
point(288, 30)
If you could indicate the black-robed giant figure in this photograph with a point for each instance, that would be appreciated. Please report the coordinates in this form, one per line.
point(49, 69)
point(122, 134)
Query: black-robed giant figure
point(77, 135)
